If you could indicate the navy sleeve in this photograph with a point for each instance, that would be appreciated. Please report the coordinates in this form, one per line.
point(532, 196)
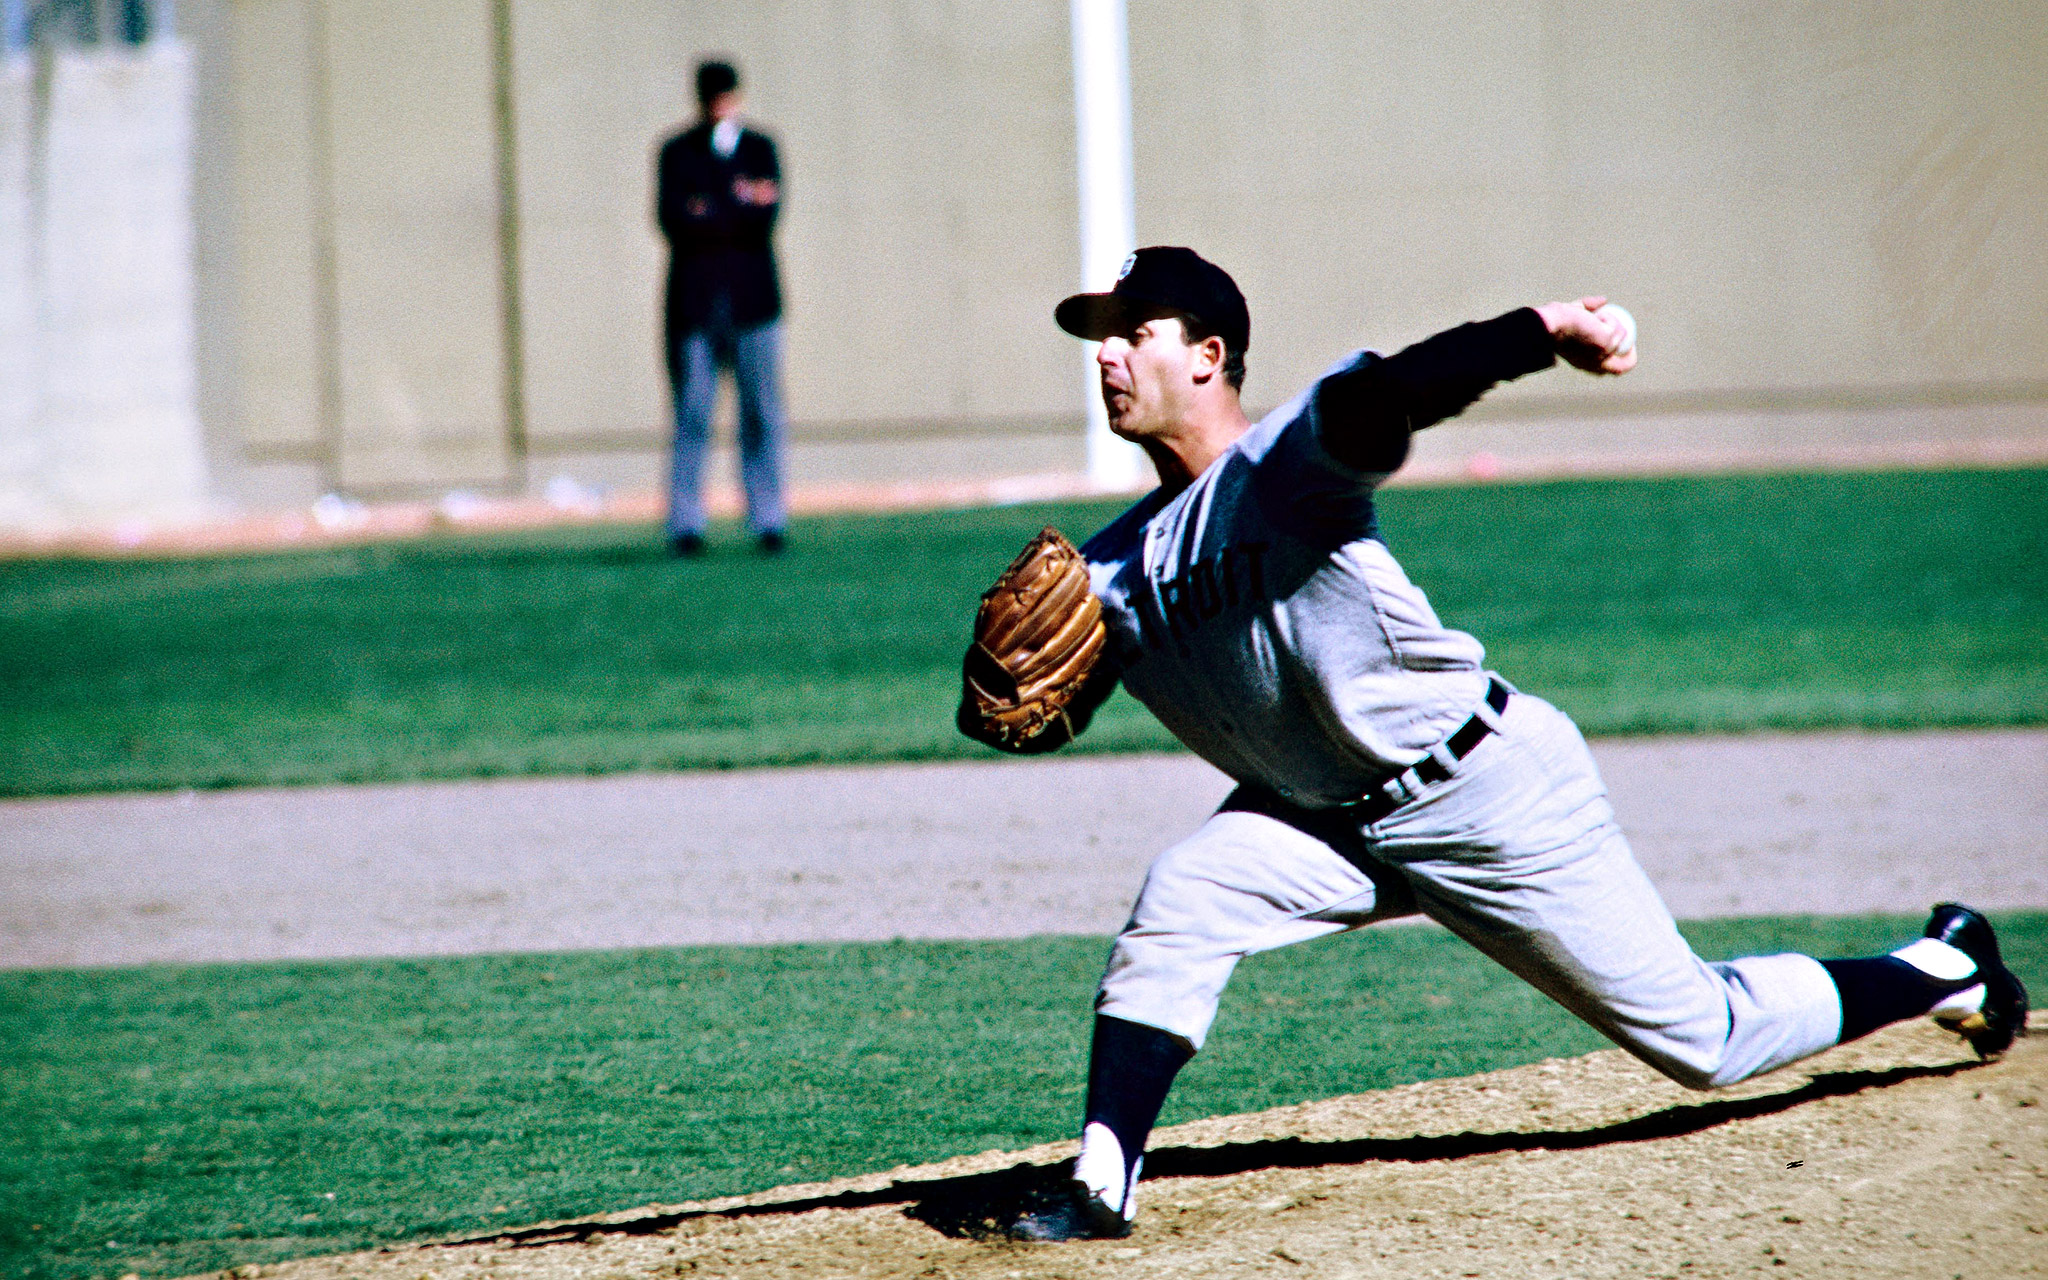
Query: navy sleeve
point(1367, 412)
point(668, 191)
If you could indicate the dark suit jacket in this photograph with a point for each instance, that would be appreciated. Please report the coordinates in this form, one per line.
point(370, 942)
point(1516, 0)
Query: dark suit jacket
point(717, 245)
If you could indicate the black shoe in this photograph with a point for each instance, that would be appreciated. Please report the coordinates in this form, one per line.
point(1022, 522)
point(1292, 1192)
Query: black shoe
point(1991, 1029)
point(686, 546)
point(1080, 1215)
point(771, 543)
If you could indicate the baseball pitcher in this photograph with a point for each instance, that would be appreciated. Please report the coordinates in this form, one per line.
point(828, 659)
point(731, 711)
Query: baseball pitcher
point(1250, 603)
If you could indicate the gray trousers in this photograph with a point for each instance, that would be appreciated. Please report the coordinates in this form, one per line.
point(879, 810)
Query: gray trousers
point(1518, 854)
point(755, 357)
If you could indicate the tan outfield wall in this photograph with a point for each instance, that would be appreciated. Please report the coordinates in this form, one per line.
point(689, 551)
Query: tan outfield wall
point(439, 267)
point(1794, 200)
point(366, 296)
point(929, 164)
point(929, 204)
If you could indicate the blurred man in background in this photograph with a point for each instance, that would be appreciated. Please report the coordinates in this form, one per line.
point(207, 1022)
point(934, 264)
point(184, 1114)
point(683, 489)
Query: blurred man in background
point(718, 189)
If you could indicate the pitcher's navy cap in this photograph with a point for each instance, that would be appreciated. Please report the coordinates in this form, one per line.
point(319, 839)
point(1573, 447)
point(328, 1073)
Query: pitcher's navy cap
point(1156, 281)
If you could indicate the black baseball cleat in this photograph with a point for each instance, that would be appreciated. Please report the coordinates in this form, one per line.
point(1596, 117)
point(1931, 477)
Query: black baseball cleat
point(1991, 1028)
point(1080, 1215)
point(686, 546)
point(1097, 1203)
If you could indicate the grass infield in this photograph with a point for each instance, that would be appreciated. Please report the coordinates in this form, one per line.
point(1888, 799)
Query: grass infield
point(1878, 600)
point(172, 1119)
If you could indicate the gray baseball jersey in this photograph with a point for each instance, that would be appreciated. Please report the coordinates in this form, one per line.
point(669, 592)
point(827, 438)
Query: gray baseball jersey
point(1260, 617)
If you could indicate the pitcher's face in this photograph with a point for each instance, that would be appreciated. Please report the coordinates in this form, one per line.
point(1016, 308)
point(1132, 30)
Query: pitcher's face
point(1148, 377)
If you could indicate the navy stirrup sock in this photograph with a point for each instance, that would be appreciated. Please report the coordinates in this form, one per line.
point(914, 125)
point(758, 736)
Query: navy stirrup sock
point(1130, 1069)
point(1880, 991)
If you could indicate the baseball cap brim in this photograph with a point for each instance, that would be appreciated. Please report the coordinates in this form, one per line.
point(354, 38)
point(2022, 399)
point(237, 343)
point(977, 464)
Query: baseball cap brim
point(1096, 316)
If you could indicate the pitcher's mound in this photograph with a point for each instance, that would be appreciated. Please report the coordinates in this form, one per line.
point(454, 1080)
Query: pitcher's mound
point(1897, 1156)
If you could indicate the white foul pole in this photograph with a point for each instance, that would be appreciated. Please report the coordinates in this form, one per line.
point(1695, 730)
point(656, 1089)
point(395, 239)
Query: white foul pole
point(1109, 225)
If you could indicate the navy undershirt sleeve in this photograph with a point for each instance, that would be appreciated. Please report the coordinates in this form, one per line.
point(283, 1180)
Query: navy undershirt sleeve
point(1367, 412)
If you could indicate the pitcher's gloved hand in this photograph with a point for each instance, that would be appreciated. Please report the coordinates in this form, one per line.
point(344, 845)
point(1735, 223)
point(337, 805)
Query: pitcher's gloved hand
point(1037, 637)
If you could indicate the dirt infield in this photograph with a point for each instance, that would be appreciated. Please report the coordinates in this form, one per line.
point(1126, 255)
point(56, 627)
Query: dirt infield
point(1899, 1156)
point(1762, 824)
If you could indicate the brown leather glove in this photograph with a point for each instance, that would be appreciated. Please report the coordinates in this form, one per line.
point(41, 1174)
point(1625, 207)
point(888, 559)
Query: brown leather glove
point(1037, 637)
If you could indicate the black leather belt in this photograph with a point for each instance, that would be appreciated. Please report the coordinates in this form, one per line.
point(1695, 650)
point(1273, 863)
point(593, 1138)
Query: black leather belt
point(1377, 804)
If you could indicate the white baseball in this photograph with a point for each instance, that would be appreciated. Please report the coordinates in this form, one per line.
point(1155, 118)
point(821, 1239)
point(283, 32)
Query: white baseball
point(1620, 316)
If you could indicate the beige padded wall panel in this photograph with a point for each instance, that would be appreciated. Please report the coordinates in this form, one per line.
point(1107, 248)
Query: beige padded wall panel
point(592, 83)
point(275, 277)
point(417, 300)
point(1791, 198)
point(929, 215)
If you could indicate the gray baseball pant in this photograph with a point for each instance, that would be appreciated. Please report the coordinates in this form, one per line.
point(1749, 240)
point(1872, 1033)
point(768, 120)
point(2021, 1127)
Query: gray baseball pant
point(1518, 854)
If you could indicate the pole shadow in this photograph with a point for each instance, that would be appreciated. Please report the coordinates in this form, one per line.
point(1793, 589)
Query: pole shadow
point(984, 1205)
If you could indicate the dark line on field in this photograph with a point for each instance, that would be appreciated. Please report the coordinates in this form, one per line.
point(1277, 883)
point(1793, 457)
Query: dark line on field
point(984, 1204)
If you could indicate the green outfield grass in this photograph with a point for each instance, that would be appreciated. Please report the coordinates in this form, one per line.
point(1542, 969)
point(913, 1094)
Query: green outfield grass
point(173, 1119)
point(1734, 603)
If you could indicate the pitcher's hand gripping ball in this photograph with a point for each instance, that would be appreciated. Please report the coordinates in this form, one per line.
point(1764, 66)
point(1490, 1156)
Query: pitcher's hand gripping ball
point(1037, 636)
point(1626, 341)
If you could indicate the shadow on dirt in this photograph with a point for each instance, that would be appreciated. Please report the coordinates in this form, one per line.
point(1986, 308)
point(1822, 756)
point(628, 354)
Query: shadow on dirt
point(983, 1205)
